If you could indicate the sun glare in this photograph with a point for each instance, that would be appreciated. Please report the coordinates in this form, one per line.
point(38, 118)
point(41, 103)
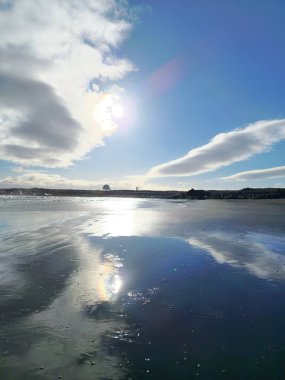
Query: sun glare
point(117, 111)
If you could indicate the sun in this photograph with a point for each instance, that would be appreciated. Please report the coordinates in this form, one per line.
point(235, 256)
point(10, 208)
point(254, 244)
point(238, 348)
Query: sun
point(117, 111)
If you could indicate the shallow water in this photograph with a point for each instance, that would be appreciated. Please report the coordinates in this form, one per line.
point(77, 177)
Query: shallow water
point(141, 289)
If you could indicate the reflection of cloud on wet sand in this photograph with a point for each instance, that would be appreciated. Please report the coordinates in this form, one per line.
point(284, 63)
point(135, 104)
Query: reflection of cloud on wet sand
point(64, 308)
point(34, 270)
point(250, 252)
point(83, 314)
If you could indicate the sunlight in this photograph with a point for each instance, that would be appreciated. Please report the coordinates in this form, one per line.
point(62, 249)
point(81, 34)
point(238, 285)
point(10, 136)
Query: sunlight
point(117, 111)
point(116, 285)
point(106, 110)
point(105, 280)
point(120, 217)
point(119, 225)
point(123, 217)
point(108, 284)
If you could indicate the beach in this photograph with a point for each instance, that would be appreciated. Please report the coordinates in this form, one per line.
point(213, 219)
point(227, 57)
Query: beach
point(123, 288)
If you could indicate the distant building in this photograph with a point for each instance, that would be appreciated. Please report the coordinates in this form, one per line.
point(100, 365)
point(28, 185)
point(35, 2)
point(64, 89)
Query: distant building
point(106, 188)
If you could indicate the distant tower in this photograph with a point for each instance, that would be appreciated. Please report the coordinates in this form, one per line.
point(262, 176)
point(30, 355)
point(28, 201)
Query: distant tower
point(106, 188)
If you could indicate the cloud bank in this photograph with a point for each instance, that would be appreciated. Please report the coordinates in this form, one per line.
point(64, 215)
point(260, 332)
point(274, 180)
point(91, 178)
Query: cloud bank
point(277, 172)
point(45, 180)
point(225, 149)
point(56, 57)
point(29, 179)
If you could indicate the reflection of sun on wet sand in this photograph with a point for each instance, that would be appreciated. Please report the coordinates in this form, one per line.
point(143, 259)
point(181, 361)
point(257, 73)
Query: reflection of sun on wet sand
point(109, 281)
point(123, 217)
point(106, 284)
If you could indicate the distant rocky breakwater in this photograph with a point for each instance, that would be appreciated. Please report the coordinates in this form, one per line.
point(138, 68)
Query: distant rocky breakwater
point(246, 193)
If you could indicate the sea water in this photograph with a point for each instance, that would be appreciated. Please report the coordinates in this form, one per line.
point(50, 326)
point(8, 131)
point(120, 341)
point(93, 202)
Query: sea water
point(104, 288)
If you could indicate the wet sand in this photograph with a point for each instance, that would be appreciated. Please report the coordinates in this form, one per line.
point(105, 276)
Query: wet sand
point(141, 289)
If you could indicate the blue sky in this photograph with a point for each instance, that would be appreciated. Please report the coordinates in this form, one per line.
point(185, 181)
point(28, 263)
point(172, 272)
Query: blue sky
point(182, 71)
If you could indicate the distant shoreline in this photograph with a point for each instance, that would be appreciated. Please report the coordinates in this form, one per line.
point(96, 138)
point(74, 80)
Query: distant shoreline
point(246, 193)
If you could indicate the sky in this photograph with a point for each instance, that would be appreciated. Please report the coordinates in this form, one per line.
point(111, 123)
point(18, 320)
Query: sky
point(164, 94)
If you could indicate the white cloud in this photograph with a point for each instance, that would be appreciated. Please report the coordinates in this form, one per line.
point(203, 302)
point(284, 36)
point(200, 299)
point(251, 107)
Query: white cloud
point(29, 179)
point(56, 56)
point(277, 172)
point(55, 181)
point(225, 149)
point(44, 180)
